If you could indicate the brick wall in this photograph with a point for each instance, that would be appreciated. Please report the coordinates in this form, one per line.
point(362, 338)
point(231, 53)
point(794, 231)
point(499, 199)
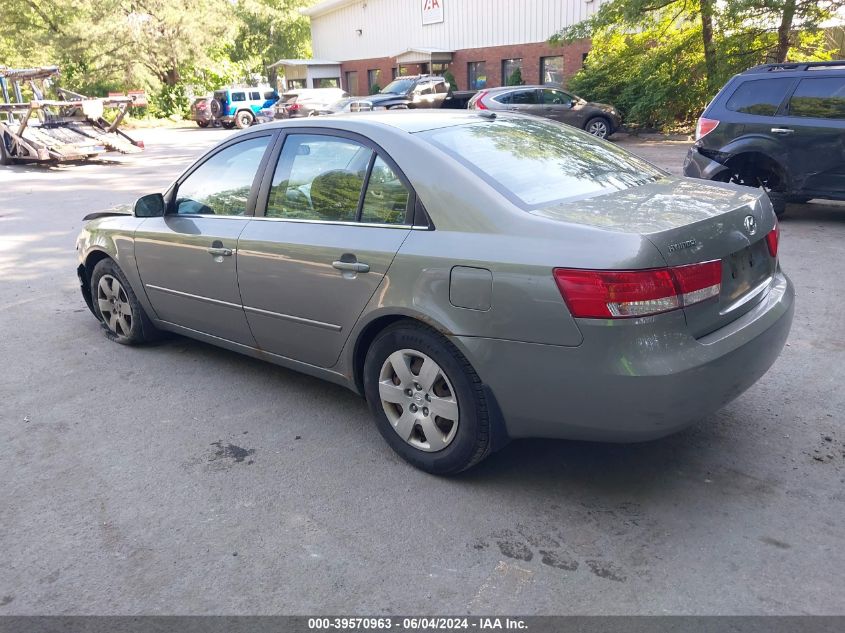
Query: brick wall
point(493, 56)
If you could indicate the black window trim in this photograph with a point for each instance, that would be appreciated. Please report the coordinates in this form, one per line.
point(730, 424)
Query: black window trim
point(249, 212)
point(415, 215)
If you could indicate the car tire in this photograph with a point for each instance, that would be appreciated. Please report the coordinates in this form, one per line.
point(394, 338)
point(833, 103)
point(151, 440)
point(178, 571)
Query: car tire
point(115, 304)
point(6, 157)
point(202, 123)
point(599, 127)
point(244, 119)
point(228, 124)
point(403, 402)
point(778, 200)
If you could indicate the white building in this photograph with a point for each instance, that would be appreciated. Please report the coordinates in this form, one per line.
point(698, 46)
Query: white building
point(480, 42)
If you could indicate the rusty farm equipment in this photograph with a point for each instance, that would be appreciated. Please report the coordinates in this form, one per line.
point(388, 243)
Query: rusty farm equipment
point(34, 128)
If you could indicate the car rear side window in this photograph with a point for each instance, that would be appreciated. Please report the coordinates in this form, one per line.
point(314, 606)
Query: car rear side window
point(221, 185)
point(820, 98)
point(238, 96)
point(386, 200)
point(534, 162)
point(760, 96)
point(318, 177)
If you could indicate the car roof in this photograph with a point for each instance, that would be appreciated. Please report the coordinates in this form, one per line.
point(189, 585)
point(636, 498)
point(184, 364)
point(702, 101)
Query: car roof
point(527, 87)
point(794, 69)
point(410, 121)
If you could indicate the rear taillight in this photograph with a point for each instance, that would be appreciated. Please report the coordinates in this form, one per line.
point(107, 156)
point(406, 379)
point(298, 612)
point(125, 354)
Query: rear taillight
point(773, 239)
point(617, 294)
point(704, 127)
point(477, 103)
point(292, 107)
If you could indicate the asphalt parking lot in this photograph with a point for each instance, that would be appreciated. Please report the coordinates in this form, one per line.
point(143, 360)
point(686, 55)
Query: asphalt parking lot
point(181, 478)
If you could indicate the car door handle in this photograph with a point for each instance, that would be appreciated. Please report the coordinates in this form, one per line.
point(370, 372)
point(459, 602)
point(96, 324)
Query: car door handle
point(220, 251)
point(782, 130)
point(355, 267)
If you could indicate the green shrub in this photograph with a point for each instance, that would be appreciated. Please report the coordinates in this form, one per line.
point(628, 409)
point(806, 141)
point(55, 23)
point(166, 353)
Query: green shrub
point(515, 78)
point(170, 102)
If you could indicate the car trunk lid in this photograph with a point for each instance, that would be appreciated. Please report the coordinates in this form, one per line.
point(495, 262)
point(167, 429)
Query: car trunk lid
point(691, 222)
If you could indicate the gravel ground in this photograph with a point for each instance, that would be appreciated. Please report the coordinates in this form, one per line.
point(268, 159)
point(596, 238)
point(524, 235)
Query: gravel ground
point(181, 478)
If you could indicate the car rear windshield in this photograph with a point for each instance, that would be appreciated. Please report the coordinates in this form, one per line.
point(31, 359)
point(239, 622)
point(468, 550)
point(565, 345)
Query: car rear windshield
point(535, 163)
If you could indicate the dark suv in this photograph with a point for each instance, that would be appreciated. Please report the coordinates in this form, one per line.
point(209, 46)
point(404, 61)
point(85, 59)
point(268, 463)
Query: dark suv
point(780, 127)
point(412, 91)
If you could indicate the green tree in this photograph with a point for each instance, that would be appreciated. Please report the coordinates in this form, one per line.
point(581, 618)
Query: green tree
point(270, 30)
point(661, 61)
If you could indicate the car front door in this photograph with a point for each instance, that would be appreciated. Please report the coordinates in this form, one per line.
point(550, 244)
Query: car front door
point(188, 258)
point(813, 127)
point(336, 213)
point(558, 105)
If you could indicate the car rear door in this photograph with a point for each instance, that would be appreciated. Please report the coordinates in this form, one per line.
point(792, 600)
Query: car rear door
point(187, 259)
point(332, 215)
point(813, 128)
point(557, 105)
point(525, 101)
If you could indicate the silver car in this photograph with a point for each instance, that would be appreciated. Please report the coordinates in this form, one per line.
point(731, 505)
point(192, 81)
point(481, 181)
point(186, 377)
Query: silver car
point(476, 277)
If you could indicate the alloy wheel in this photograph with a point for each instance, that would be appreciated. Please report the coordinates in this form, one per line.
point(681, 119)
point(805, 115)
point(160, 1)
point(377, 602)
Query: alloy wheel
point(598, 128)
point(418, 400)
point(114, 305)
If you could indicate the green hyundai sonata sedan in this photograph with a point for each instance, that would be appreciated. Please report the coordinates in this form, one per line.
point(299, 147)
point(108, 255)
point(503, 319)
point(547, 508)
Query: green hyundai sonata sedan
point(476, 277)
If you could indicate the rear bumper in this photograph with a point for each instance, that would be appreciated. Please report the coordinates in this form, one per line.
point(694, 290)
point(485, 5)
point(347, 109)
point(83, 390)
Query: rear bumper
point(697, 165)
point(631, 380)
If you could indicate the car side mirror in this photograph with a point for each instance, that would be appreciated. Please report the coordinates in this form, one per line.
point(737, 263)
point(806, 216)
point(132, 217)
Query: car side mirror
point(151, 206)
point(573, 103)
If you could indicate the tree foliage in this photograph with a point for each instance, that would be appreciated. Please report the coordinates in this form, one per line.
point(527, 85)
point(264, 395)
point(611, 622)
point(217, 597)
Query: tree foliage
point(164, 46)
point(660, 61)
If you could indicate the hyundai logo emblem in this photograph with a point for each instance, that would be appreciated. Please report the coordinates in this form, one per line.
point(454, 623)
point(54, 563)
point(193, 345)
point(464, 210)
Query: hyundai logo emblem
point(750, 224)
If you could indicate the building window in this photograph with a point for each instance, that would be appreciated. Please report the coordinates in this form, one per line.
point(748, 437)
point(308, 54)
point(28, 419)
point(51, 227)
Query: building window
point(551, 70)
point(394, 72)
point(295, 84)
point(352, 82)
point(512, 72)
point(327, 82)
point(476, 75)
point(438, 68)
point(374, 80)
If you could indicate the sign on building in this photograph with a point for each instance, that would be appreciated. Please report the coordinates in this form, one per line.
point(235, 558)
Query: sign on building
point(432, 11)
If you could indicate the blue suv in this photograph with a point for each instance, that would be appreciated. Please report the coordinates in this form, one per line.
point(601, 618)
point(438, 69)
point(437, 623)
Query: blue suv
point(238, 106)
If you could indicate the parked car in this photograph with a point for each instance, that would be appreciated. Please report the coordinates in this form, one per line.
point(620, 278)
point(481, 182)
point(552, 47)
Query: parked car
point(238, 106)
point(307, 102)
point(411, 91)
point(201, 111)
point(476, 277)
point(599, 119)
point(779, 127)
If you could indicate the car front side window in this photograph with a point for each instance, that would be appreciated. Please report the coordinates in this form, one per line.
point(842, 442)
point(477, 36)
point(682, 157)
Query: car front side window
point(222, 184)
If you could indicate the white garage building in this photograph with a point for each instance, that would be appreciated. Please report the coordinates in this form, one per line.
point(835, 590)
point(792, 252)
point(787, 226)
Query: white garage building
point(359, 44)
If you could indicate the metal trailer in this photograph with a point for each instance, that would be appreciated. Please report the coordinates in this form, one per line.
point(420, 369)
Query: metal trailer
point(71, 128)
